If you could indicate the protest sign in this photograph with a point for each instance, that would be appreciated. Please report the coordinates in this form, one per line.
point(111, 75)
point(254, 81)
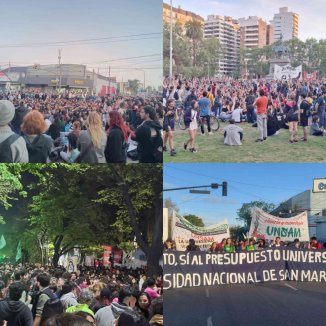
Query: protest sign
point(183, 230)
point(287, 72)
point(268, 227)
point(193, 269)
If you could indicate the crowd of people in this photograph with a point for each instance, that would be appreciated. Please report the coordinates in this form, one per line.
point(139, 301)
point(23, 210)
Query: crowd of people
point(44, 296)
point(267, 105)
point(40, 127)
point(230, 245)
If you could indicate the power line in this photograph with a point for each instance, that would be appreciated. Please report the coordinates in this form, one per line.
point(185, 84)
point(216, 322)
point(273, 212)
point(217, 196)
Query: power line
point(77, 41)
point(140, 56)
point(230, 180)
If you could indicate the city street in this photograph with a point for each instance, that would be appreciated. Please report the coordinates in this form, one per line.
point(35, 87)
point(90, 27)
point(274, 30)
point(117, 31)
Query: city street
point(278, 303)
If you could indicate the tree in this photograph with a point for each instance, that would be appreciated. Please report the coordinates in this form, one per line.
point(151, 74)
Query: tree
point(238, 231)
point(9, 185)
point(194, 220)
point(244, 212)
point(133, 86)
point(93, 205)
point(194, 31)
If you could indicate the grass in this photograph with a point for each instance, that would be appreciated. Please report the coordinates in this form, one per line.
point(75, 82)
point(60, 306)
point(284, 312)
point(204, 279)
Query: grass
point(274, 149)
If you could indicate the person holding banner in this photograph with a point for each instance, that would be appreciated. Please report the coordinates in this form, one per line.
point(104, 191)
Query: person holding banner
point(229, 247)
point(192, 246)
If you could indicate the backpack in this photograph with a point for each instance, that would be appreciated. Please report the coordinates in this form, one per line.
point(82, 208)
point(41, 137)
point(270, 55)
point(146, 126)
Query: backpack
point(51, 307)
point(5, 149)
point(176, 95)
point(37, 150)
point(157, 143)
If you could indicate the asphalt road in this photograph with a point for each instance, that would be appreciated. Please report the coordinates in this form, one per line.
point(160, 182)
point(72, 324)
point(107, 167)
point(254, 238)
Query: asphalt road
point(273, 303)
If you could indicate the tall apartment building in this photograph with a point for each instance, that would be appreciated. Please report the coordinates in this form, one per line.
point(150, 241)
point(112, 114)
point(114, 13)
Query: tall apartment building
point(227, 31)
point(285, 24)
point(179, 15)
point(254, 32)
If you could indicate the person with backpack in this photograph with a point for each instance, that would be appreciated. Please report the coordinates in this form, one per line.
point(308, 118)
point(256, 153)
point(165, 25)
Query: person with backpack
point(45, 303)
point(149, 138)
point(12, 147)
point(39, 146)
point(12, 310)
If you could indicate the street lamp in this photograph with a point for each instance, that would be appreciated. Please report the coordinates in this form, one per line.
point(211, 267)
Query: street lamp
point(170, 41)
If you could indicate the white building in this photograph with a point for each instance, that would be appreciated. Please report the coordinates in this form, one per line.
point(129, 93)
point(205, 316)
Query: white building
point(285, 24)
point(227, 31)
point(254, 32)
point(315, 204)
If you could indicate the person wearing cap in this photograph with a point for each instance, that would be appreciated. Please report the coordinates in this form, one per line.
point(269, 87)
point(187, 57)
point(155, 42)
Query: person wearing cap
point(104, 300)
point(126, 303)
point(9, 141)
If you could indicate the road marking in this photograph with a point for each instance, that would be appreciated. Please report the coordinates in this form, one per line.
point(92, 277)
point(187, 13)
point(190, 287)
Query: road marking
point(209, 321)
point(207, 293)
point(291, 287)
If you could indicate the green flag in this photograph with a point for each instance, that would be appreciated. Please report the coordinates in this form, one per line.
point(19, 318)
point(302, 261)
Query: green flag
point(2, 242)
point(19, 251)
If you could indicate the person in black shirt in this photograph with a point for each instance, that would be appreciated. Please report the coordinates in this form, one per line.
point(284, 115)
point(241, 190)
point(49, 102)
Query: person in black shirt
point(304, 114)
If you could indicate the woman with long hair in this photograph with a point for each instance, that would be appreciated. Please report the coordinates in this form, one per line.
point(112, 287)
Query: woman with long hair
point(92, 142)
point(38, 145)
point(117, 141)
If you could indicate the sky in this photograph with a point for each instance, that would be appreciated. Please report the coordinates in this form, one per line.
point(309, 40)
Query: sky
point(246, 182)
point(311, 13)
point(39, 21)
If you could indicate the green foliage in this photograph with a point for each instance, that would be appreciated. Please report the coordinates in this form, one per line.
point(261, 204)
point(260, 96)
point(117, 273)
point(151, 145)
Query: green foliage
point(134, 85)
point(90, 205)
point(192, 55)
point(244, 212)
point(9, 185)
point(237, 231)
point(194, 220)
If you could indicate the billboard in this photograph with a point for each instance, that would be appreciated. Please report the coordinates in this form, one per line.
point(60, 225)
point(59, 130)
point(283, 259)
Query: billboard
point(319, 185)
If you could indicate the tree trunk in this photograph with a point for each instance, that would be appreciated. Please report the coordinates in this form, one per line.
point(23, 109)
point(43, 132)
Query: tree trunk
point(155, 251)
point(57, 253)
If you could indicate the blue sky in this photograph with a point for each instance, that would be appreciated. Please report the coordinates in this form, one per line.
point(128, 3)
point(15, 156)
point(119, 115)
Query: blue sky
point(311, 13)
point(61, 20)
point(246, 182)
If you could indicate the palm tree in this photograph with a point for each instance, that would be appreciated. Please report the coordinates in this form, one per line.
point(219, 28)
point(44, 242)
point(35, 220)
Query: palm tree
point(194, 31)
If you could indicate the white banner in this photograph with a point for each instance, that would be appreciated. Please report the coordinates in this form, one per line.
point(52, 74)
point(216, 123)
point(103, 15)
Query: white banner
point(287, 72)
point(182, 231)
point(268, 227)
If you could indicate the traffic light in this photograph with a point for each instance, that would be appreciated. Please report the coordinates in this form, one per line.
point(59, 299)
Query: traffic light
point(224, 188)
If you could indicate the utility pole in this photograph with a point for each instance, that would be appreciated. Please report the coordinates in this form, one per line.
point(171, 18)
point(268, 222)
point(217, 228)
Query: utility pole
point(171, 42)
point(9, 77)
point(144, 81)
point(109, 80)
point(59, 57)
